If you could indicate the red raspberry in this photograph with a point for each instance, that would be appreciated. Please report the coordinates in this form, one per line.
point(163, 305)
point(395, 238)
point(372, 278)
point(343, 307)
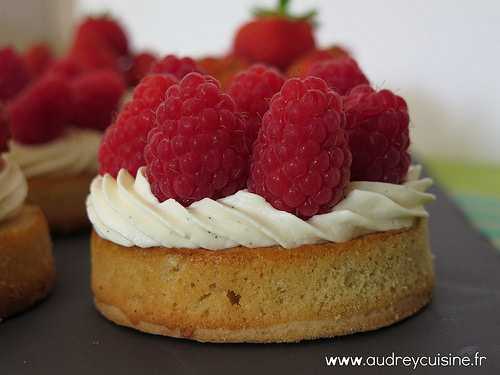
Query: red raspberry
point(252, 91)
point(149, 94)
point(14, 74)
point(198, 148)
point(38, 58)
point(140, 66)
point(4, 131)
point(41, 112)
point(124, 141)
point(378, 127)
point(67, 67)
point(340, 74)
point(176, 66)
point(96, 98)
point(99, 43)
point(301, 160)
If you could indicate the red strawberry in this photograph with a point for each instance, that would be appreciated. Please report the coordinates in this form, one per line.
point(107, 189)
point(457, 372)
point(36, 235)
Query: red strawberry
point(301, 66)
point(38, 58)
point(14, 75)
point(275, 37)
point(96, 96)
point(224, 68)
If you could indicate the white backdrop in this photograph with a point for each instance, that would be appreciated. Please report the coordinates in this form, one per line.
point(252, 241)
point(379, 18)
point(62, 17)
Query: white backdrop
point(442, 56)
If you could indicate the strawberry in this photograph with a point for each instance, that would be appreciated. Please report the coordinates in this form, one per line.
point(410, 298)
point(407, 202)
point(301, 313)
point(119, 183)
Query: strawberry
point(275, 37)
point(224, 68)
point(301, 66)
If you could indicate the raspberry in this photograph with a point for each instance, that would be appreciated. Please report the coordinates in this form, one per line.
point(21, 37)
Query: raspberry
point(301, 159)
point(67, 67)
point(124, 141)
point(340, 74)
point(100, 43)
point(38, 58)
point(4, 132)
point(149, 94)
point(96, 97)
point(198, 148)
point(14, 74)
point(40, 113)
point(378, 127)
point(140, 66)
point(176, 66)
point(252, 90)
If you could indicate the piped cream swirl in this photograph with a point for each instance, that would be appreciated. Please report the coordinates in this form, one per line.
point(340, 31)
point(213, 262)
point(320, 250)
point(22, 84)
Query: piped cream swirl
point(13, 189)
point(73, 153)
point(125, 211)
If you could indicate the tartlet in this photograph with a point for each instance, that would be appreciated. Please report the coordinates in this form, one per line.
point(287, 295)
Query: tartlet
point(27, 271)
point(267, 294)
point(196, 238)
point(58, 174)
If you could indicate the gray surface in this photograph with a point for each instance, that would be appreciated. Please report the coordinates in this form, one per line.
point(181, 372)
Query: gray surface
point(65, 335)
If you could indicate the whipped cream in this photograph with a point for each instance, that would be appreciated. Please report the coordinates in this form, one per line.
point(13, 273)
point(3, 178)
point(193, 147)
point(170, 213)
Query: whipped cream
point(125, 211)
point(13, 189)
point(73, 153)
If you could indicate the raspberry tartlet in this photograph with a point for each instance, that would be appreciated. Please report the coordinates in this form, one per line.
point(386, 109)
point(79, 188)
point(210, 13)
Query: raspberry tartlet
point(204, 233)
point(57, 124)
point(27, 270)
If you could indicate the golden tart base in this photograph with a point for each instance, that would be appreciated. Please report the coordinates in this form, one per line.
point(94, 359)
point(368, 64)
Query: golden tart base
point(62, 199)
point(266, 294)
point(27, 271)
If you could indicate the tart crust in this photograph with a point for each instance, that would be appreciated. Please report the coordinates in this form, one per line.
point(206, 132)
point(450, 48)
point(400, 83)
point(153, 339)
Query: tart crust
point(27, 271)
point(266, 294)
point(62, 199)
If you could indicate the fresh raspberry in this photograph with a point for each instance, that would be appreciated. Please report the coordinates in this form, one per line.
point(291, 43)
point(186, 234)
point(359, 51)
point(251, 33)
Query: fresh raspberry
point(149, 94)
point(100, 43)
point(252, 91)
point(340, 74)
point(96, 97)
point(378, 127)
point(14, 75)
point(301, 66)
point(41, 112)
point(301, 160)
point(124, 141)
point(140, 66)
point(38, 58)
point(176, 66)
point(67, 67)
point(4, 131)
point(198, 148)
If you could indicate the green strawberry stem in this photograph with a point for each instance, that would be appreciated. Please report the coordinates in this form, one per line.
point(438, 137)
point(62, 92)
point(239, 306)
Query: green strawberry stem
point(282, 10)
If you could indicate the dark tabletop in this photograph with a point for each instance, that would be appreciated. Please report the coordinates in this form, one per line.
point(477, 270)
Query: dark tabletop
point(66, 335)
